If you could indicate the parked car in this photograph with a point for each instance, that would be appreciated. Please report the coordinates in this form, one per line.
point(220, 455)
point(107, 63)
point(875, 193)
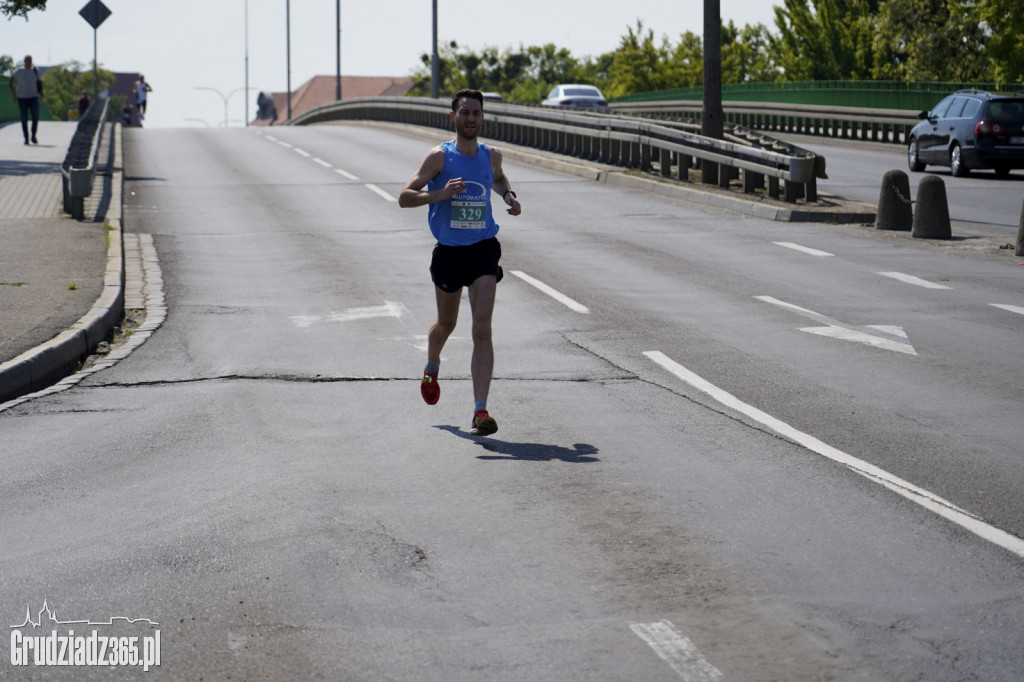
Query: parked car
point(492, 96)
point(576, 96)
point(969, 130)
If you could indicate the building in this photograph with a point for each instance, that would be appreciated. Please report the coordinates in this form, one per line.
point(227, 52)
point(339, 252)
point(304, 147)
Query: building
point(273, 107)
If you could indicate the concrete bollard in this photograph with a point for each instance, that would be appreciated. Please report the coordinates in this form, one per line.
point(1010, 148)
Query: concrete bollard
point(1020, 233)
point(931, 219)
point(894, 208)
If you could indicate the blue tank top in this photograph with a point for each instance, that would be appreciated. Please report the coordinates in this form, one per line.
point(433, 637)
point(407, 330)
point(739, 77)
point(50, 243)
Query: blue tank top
point(465, 218)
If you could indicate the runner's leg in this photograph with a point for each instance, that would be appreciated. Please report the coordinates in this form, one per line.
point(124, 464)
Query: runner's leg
point(482, 294)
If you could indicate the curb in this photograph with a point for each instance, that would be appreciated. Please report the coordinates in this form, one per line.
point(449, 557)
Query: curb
point(62, 355)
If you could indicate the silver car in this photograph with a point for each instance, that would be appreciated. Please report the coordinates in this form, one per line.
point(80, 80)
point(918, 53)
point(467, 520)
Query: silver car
point(576, 96)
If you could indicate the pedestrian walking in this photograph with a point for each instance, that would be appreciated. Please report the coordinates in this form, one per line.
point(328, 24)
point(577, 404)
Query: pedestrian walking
point(26, 89)
point(141, 90)
point(459, 176)
point(83, 104)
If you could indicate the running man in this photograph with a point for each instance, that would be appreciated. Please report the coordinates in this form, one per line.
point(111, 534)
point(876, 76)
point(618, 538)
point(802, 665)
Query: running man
point(459, 176)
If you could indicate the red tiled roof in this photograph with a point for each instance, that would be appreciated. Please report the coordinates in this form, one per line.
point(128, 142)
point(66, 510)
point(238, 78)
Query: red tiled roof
point(321, 89)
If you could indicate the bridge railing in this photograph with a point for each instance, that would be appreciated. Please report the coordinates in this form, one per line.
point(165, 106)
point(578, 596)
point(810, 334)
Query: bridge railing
point(783, 170)
point(855, 123)
point(79, 167)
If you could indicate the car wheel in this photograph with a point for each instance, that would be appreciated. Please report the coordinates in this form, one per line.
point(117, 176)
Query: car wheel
point(956, 163)
point(913, 161)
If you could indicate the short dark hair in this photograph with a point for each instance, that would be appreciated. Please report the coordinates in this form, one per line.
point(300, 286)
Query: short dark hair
point(466, 92)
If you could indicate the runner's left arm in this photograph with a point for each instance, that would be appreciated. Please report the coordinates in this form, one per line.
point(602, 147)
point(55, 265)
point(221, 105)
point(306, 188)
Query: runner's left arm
point(501, 184)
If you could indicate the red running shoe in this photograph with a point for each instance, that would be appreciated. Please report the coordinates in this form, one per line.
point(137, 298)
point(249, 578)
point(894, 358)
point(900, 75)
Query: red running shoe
point(430, 389)
point(483, 424)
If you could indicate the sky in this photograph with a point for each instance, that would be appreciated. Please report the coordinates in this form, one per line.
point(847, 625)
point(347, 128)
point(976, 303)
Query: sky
point(181, 45)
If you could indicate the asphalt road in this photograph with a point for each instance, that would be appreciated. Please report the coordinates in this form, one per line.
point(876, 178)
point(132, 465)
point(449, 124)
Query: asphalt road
point(677, 488)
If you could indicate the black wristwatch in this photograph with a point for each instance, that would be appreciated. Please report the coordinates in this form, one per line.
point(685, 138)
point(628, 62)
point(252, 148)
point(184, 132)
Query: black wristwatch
point(508, 191)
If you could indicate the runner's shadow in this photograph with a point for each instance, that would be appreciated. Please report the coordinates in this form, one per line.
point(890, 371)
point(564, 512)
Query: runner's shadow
point(579, 453)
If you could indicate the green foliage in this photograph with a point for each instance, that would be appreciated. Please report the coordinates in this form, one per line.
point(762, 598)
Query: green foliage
point(930, 40)
point(824, 39)
point(20, 8)
point(6, 64)
point(815, 40)
point(62, 86)
point(1005, 20)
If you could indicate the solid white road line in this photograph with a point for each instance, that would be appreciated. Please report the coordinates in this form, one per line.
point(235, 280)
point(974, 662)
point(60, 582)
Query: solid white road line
point(926, 499)
point(676, 650)
point(804, 249)
point(910, 279)
point(1012, 308)
point(558, 296)
point(380, 192)
point(346, 174)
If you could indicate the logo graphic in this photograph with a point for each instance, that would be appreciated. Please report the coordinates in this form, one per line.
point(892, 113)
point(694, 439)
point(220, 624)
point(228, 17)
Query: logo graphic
point(92, 649)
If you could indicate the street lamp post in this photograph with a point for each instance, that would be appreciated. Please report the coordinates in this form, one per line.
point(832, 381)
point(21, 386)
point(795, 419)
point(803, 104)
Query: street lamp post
point(225, 97)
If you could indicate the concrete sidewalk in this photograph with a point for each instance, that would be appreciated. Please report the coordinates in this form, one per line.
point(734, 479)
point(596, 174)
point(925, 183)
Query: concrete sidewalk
point(61, 280)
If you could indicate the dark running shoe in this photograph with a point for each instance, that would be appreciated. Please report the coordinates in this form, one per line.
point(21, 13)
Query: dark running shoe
point(430, 389)
point(483, 424)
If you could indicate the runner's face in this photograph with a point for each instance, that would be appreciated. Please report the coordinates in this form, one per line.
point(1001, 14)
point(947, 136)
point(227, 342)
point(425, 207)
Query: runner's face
point(468, 118)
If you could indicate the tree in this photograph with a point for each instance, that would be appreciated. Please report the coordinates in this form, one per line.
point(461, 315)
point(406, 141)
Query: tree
point(64, 84)
point(747, 54)
point(930, 40)
point(1004, 19)
point(20, 8)
point(830, 41)
point(6, 64)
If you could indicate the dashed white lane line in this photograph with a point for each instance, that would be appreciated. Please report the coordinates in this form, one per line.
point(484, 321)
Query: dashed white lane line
point(920, 496)
point(910, 279)
point(271, 138)
point(377, 190)
point(676, 650)
point(346, 174)
point(285, 144)
point(321, 162)
point(303, 152)
point(558, 296)
point(803, 249)
point(1012, 308)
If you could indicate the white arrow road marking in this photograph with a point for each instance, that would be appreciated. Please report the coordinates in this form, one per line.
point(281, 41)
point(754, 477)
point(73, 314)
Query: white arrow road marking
point(910, 279)
point(920, 496)
point(1012, 308)
point(804, 249)
point(676, 650)
point(553, 293)
point(380, 192)
point(888, 337)
point(389, 309)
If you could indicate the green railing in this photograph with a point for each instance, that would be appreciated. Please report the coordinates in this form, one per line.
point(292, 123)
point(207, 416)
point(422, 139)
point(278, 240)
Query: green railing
point(865, 94)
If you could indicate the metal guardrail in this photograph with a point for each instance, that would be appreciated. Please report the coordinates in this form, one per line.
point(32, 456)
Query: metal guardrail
point(854, 123)
point(79, 167)
point(786, 171)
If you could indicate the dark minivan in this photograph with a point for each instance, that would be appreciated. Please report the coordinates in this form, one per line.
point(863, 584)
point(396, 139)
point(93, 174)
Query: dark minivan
point(969, 130)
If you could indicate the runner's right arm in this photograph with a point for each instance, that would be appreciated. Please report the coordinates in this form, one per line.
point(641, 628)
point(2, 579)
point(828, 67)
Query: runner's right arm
point(414, 195)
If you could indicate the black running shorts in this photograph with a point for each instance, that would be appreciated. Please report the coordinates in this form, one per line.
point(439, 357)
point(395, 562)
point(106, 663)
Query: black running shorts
point(454, 267)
